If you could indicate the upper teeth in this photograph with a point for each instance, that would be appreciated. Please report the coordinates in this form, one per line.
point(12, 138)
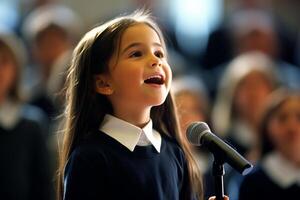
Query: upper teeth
point(155, 76)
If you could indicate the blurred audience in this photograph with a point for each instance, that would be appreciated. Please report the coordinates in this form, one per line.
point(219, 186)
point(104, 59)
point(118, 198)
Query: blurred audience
point(250, 25)
point(242, 92)
point(193, 105)
point(25, 167)
point(277, 176)
point(252, 30)
point(191, 100)
point(52, 31)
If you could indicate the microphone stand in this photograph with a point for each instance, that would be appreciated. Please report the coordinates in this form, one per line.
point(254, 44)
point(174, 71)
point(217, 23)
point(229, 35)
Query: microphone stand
point(218, 173)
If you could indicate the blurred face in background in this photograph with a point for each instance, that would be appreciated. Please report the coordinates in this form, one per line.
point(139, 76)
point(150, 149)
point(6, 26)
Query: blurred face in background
point(250, 96)
point(190, 108)
point(50, 44)
point(258, 40)
point(7, 71)
point(284, 130)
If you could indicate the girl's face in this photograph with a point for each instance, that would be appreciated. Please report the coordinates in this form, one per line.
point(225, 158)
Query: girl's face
point(7, 74)
point(140, 76)
point(284, 129)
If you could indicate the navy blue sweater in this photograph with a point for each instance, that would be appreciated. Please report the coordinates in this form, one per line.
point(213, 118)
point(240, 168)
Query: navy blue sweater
point(102, 168)
point(25, 172)
point(258, 185)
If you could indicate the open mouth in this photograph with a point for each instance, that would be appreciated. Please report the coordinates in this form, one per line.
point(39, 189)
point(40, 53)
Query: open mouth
point(156, 79)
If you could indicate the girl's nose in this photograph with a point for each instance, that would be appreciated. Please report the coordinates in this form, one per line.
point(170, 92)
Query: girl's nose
point(158, 64)
point(155, 61)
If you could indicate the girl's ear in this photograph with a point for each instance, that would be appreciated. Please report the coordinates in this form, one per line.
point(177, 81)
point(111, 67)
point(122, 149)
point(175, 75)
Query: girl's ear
point(102, 85)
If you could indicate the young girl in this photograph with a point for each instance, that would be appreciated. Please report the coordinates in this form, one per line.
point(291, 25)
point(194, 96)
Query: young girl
point(121, 134)
point(278, 174)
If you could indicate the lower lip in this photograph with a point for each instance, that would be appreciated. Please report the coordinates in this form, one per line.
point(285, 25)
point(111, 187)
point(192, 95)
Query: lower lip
point(154, 85)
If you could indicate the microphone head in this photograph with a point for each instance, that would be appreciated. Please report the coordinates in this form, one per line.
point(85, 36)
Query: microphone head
point(198, 133)
point(195, 131)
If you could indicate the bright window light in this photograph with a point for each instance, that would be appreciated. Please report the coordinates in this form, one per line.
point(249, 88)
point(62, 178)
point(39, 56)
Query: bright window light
point(9, 13)
point(194, 20)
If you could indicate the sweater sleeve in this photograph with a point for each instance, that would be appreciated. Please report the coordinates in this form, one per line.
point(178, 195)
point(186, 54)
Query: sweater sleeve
point(84, 176)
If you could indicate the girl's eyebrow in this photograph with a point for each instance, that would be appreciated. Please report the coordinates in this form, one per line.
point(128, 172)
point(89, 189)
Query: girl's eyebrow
point(136, 44)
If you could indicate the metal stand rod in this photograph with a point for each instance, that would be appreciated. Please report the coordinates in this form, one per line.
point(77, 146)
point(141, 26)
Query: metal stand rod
point(218, 172)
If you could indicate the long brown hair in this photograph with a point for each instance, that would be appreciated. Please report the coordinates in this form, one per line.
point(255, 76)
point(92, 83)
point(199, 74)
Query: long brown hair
point(85, 108)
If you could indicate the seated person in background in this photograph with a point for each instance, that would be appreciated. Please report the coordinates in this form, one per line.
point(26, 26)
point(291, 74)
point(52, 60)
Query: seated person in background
point(277, 176)
point(243, 90)
point(51, 30)
point(191, 100)
point(25, 167)
point(193, 105)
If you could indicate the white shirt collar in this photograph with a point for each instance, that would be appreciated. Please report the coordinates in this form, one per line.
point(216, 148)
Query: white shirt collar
point(129, 135)
point(10, 114)
point(280, 170)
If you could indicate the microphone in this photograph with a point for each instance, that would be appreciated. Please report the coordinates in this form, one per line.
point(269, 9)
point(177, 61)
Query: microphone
point(198, 133)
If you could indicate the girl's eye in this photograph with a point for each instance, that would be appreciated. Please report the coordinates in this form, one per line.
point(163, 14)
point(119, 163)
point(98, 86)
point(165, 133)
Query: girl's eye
point(136, 54)
point(159, 54)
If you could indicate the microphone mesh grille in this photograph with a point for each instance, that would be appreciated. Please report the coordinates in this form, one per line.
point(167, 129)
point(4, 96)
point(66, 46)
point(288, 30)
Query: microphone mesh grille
point(195, 131)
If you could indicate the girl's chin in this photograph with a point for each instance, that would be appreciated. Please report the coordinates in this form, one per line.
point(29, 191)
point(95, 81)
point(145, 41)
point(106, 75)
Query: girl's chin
point(158, 101)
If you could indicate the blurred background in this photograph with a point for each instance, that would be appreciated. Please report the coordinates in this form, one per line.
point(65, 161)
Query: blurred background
point(228, 57)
